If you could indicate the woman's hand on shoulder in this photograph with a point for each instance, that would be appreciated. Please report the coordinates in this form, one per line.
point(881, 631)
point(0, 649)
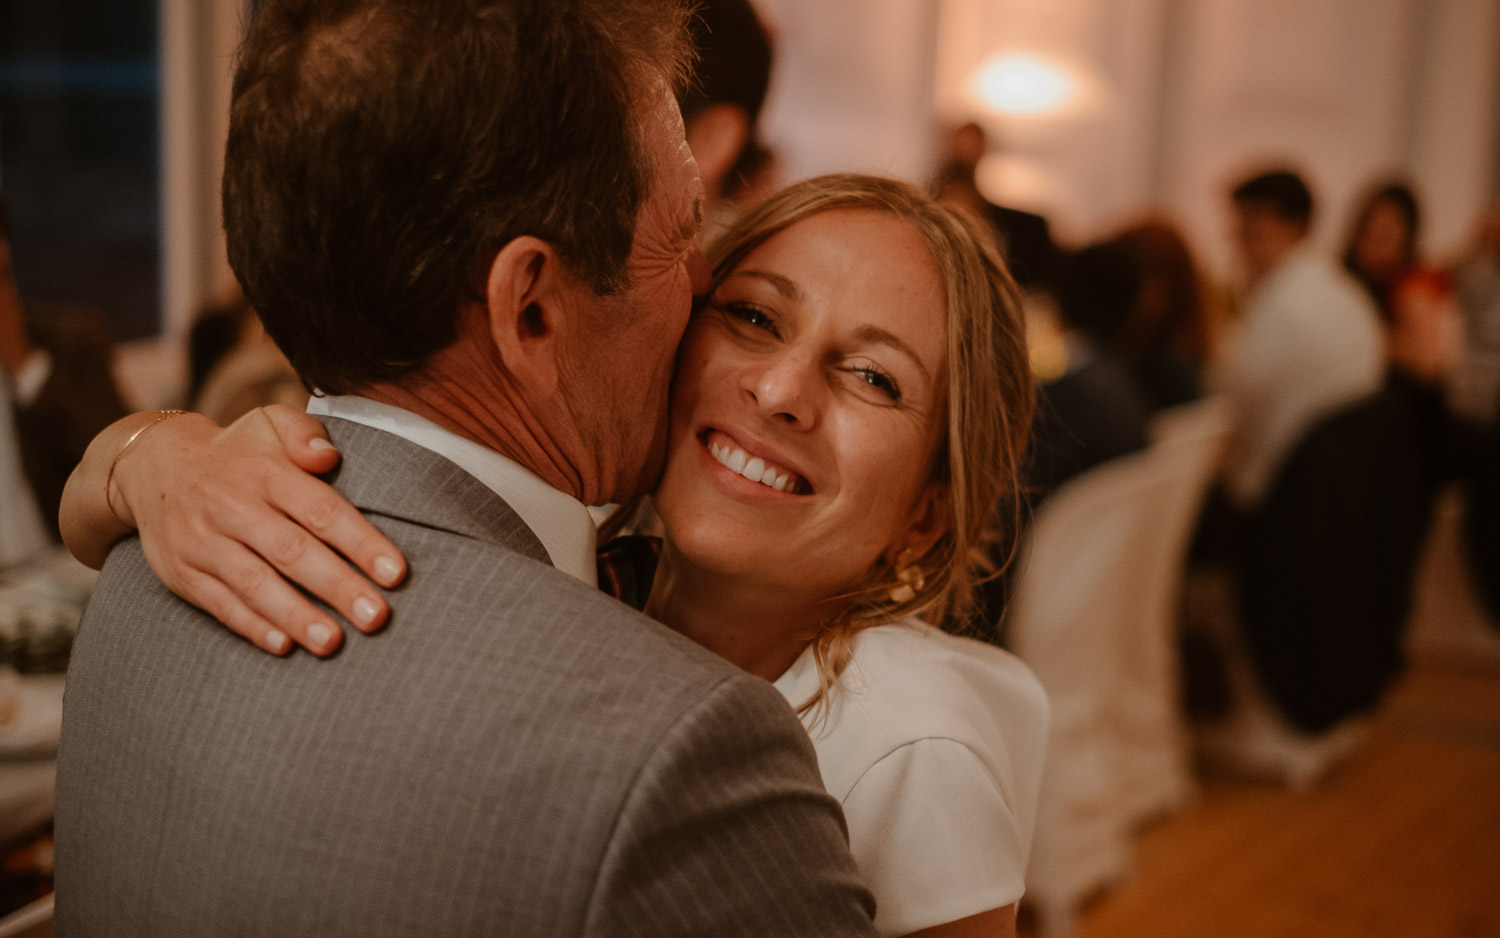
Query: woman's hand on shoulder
point(227, 517)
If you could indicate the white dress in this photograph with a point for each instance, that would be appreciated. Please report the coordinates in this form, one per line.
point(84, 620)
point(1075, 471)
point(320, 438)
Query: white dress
point(933, 745)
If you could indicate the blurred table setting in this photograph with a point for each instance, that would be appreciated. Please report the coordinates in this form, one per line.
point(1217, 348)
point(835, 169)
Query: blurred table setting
point(41, 601)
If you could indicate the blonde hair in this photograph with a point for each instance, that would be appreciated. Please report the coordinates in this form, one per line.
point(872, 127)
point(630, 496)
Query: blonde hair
point(989, 401)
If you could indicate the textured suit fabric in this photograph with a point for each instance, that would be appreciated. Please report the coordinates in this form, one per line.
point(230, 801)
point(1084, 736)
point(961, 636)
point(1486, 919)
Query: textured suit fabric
point(515, 754)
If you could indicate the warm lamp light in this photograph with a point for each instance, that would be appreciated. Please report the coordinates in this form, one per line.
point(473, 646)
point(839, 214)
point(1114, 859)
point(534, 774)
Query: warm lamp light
point(1023, 85)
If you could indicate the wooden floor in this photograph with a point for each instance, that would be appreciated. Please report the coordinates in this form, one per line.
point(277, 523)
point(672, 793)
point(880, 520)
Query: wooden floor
point(1404, 840)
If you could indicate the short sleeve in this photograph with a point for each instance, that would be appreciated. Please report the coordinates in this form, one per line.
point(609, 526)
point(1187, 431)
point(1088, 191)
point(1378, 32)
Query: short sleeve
point(934, 837)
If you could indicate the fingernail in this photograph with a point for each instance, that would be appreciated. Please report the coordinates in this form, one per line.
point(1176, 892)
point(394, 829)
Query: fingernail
point(318, 442)
point(387, 569)
point(365, 610)
point(278, 641)
point(319, 634)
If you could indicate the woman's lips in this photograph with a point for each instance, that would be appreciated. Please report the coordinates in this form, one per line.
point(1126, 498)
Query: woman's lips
point(736, 459)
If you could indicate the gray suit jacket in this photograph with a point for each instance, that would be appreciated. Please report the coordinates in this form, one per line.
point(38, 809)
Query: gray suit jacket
point(515, 754)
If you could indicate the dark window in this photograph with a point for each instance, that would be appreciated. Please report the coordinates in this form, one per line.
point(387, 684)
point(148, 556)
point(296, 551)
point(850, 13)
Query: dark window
point(79, 157)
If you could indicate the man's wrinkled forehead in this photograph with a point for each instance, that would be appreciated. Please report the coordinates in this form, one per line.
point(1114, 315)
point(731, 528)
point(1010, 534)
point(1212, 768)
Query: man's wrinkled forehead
point(665, 137)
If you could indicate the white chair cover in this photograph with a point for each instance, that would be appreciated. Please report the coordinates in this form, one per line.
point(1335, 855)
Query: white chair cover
point(1094, 617)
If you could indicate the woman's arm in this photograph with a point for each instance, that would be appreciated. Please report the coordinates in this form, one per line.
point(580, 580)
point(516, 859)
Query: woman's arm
point(225, 514)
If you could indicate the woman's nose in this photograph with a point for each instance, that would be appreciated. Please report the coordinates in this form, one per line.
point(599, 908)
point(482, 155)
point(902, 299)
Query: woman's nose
point(785, 389)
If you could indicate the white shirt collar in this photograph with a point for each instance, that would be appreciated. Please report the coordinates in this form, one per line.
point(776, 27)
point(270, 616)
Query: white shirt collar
point(559, 521)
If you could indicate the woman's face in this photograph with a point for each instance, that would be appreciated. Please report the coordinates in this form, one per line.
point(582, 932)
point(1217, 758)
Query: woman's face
point(807, 406)
point(1380, 251)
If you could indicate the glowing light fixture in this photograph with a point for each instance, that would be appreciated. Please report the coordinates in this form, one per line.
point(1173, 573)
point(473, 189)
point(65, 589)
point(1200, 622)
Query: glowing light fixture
point(1024, 85)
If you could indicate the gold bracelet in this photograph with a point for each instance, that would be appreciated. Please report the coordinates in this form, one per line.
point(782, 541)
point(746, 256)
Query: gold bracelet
point(109, 479)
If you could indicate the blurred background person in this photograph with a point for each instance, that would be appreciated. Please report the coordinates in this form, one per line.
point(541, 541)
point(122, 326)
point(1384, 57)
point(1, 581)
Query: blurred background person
point(1415, 302)
point(1025, 237)
point(235, 367)
point(1091, 410)
point(1309, 340)
point(1476, 387)
point(721, 110)
point(1424, 350)
point(60, 382)
point(1474, 395)
point(1168, 338)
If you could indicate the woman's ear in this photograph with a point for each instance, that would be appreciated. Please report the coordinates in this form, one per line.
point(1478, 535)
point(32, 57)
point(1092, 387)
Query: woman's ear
point(931, 518)
point(527, 295)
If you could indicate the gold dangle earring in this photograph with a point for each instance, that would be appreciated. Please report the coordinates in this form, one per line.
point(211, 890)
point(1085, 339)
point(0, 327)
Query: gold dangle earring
point(911, 577)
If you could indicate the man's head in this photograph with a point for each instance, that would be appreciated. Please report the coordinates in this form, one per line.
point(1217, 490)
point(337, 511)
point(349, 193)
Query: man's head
point(382, 154)
point(1272, 215)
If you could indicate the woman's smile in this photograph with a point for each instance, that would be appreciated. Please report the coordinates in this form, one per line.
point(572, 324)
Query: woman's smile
point(765, 470)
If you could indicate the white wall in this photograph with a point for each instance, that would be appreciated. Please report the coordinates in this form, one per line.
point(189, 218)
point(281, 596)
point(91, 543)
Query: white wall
point(1185, 96)
point(1348, 90)
point(852, 86)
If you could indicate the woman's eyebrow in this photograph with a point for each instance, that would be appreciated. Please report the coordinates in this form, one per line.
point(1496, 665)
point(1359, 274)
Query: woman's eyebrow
point(784, 285)
point(876, 335)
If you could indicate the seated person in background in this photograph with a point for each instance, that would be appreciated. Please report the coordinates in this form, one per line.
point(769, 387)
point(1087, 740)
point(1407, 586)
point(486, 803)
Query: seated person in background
point(1423, 342)
point(234, 367)
point(61, 385)
point(1167, 339)
point(216, 329)
point(1475, 395)
point(1309, 340)
point(1304, 542)
point(1092, 410)
point(1475, 400)
point(1415, 302)
point(1025, 237)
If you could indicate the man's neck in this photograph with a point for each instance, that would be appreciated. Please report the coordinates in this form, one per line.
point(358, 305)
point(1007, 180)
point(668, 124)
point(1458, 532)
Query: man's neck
point(466, 389)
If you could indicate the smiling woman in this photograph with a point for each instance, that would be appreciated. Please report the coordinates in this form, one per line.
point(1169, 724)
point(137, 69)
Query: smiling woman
point(910, 326)
point(848, 409)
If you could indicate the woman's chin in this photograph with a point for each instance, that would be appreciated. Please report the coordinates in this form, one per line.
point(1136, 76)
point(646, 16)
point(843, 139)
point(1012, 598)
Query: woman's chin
point(711, 543)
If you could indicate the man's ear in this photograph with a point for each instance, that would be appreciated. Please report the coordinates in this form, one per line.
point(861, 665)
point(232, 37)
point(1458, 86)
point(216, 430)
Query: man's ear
point(717, 136)
point(931, 518)
point(526, 303)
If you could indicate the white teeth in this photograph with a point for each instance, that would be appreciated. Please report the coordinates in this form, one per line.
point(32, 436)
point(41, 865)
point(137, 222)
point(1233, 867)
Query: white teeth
point(752, 467)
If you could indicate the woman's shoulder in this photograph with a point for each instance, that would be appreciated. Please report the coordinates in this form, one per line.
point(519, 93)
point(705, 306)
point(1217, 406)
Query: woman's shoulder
point(908, 682)
point(911, 655)
point(934, 746)
point(915, 669)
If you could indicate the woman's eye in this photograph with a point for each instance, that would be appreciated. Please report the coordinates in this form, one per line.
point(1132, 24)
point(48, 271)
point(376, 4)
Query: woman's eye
point(879, 380)
point(750, 315)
